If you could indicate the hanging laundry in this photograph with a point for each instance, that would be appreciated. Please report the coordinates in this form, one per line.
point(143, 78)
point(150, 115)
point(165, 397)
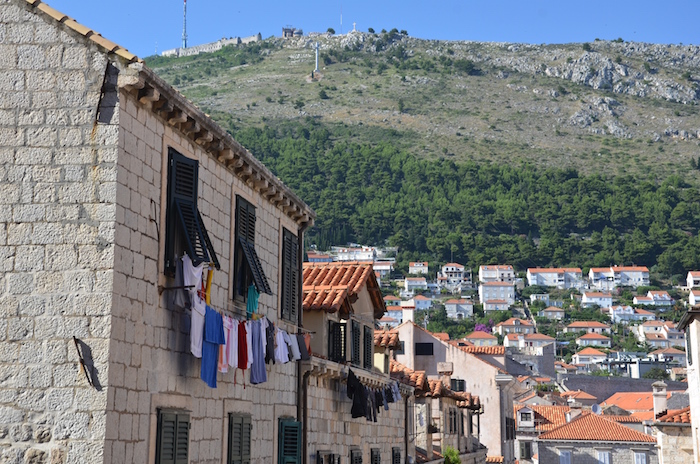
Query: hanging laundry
point(197, 326)
point(242, 346)
point(270, 346)
point(181, 295)
point(258, 374)
point(294, 344)
point(231, 328)
point(395, 391)
point(389, 394)
point(252, 302)
point(223, 350)
point(356, 391)
point(307, 341)
point(191, 274)
point(378, 399)
point(213, 337)
point(249, 341)
point(386, 403)
point(281, 350)
point(303, 351)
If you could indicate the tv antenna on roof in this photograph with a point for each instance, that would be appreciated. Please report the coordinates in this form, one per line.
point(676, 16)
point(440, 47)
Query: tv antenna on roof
point(184, 24)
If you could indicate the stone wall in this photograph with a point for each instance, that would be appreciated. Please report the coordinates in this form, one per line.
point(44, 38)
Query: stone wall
point(332, 428)
point(582, 452)
point(211, 46)
point(57, 192)
point(604, 387)
point(675, 444)
point(150, 361)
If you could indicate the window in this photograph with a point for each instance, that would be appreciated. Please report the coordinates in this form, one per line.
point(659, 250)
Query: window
point(355, 334)
point(603, 457)
point(400, 349)
point(526, 417)
point(336, 341)
point(564, 457)
point(457, 385)
point(525, 450)
point(368, 344)
point(640, 457)
point(184, 229)
point(172, 439)
point(424, 349)
point(248, 268)
point(395, 456)
point(289, 442)
point(290, 276)
point(355, 456)
point(239, 427)
point(326, 457)
point(375, 456)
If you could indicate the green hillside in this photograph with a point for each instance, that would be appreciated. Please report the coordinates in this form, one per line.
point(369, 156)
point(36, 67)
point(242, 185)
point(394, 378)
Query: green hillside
point(580, 154)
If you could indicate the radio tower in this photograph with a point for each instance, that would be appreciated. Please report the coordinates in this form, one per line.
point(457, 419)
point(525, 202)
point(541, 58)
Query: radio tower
point(184, 25)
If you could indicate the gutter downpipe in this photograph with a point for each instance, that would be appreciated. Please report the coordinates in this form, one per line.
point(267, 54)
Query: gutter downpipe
point(302, 379)
point(405, 421)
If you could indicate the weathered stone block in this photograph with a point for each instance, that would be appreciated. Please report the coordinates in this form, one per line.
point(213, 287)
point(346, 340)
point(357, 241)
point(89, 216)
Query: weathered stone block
point(20, 283)
point(42, 136)
point(31, 57)
point(47, 233)
point(74, 58)
point(29, 258)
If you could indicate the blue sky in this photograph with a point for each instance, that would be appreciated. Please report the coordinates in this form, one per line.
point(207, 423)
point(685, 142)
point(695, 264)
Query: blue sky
point(143, 25)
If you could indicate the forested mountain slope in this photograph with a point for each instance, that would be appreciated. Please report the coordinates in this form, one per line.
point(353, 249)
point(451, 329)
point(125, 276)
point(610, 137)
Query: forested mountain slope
point(580, 154)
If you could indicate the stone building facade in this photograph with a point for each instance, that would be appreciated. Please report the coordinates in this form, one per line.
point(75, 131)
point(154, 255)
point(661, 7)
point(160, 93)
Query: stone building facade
point(86, 131)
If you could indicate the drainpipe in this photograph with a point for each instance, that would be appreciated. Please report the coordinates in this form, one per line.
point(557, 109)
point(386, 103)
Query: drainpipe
point(304, 419)
point(405, 421)
point(302, 379)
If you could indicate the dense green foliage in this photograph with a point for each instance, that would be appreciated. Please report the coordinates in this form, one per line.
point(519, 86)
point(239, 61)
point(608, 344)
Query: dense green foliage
point(479, 213)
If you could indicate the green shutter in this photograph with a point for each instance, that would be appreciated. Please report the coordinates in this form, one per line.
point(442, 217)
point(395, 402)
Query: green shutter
point(395, 456)
point(289, 446)
point(173, 438)
point(245, 244)
point(290, 275)
point(368, 343)
point(355, 457)
point(239, 428)
point(356, 336)
point(375, 456)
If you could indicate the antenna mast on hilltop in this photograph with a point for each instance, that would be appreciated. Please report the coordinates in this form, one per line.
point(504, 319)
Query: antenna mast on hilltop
point(184, 25)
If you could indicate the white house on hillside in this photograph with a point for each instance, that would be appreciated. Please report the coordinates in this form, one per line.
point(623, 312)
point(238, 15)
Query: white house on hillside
point(604, 300)
point(418, 267)
point(415, 284)
point(625, 314)
point(608, 278)
point(496, 273)
point(555, 277)
point(693, 279)
point(694, 298)
point(593, 339)
point(504, 291)
point(654, 298)
point(459, 308)
point(454, 277)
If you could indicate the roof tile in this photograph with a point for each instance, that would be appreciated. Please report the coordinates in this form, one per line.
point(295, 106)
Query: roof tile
point(592, 427)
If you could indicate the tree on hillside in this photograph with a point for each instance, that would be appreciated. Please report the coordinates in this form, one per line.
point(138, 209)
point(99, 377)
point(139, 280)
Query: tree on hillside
point(331, 30)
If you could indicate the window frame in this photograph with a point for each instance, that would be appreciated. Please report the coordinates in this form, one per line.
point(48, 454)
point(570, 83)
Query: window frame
point(395, 455)
point(244, 421)
point(566, 456)
point(355, 456)
point(526, 450)
point(356, 341)
point(421, 349)
point(606, 456)
point(247, 267)
point(289, 291)
point(180, 422)
point(337, 341)
point(289, 441)
point(368, 345)
point(375, 456)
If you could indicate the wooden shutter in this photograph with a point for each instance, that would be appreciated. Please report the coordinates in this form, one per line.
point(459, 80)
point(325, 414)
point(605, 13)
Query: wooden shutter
point(355, 457)
point(239, 427)
point(395, 456)
point(245, 243)
point(368, 343)
point(184, 225)
point(173, 438)
point(289, 445)
point(336, 341)
point(290, 276)
point(375, 456)
point(355, 329)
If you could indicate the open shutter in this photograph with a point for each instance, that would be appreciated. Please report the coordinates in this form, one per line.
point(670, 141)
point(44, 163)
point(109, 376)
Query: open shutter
point(245, 232)
point(246, 428)
point(182, 439)
point(368, 343)
point(289, 442)
point(290, 275)
point(355, 342)
point(239, 439)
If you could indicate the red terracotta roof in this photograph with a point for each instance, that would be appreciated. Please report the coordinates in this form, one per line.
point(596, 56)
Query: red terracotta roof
point(497, 284)
point(591, 352)
point(630, 268)
point(444, 336)
point(403, 374)
point(392, 298)
point(481, 334)
point(624, 419)
point(578, 394)
point(421, 298)
point(330, 287)
point(493, 350)
point(680, 416)
point(453, 265)
point(633, 401)
point(587, 325)
point(592, 427)
point(553, 309)
point(386, 338)
point(597, 295)
point(547, 417)
point(456, 301)
point(494, 459)
point(548, 270)
point(538, 336)
point(512, 322)
point(668, 351)
point(491, 267)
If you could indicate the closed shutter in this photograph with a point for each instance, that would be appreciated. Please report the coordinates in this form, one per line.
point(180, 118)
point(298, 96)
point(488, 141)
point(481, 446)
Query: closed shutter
point(395, 456)
point(239, 427)
point(290, 275)
point(369, 342)
point(289, 442)
point(375, 456)
point(336, 341)
point(355, 457)
point(173, 438)
point(356, 336)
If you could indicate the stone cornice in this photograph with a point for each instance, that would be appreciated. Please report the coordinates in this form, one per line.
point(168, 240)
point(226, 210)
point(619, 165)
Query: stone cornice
point(170, 105)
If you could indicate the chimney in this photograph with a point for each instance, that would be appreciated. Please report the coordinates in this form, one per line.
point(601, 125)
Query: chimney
point(445, 372)
point(659, 394)
point(407, 314)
